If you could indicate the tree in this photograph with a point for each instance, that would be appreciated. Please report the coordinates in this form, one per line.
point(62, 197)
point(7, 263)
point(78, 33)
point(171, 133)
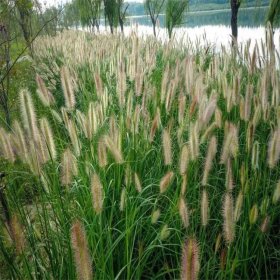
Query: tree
point(24, 9)
point(5, 59)
point(89, 11)
point(274, 13)
point(70, 17)
point(16, 18)
point(121, 12)
point(111, 13)
point(50, 13)
point(174, 14)
point(153, 8)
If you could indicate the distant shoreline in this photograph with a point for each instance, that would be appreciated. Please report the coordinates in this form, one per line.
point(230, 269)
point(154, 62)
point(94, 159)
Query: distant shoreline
point(206, 11)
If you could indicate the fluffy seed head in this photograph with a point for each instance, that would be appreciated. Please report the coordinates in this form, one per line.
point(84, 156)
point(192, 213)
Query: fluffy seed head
point(166, 143)
point(208, 132)
point(68, 88)
point(166, 181)
point(184, 212)
point(253, 216)
point(184, 185)
point(123, 200)
point(155, 216)
point(56, 116)
point(276, 194)
point(28, 115)
point(137, 182)
point(21, 143)
point(265, 224)
point(43, 93)
point(255, 155)
point(102, 154)
point(257, 116)
point(72, 130)
point(211, 153)
point(92, 123)
point(204, 208)
point(114, 149)
point(230, 146)
point(190, 260)
point(68, 167)
point(229, 176)
point(164, 233)
point(184, 159)
point(6, 148)
point(194, 141)
point(248, 101)
point(97, 194)
point(218, 118)
point(98, 84)
point(228, 215)
point(155, 126)
point(238, 206)
point(181, 109)
point(274, 148)
point(218, 243)
point(209, 111)
point(81, 252)
point(48, 137)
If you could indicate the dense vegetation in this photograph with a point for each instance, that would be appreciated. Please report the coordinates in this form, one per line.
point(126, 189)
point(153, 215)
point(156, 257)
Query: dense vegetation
point(137, 160)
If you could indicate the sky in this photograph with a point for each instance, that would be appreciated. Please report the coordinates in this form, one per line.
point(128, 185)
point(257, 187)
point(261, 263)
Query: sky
point(57, 2)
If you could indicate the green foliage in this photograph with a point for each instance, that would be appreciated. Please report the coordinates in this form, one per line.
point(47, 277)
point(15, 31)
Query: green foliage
point(89, 11)
point(153, 9)
point(174, 13)
point(274, 12)
point(111, 13)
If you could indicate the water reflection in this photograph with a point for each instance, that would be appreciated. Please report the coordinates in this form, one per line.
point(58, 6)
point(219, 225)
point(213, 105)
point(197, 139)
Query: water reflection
point(214, 36)
point(248, 17)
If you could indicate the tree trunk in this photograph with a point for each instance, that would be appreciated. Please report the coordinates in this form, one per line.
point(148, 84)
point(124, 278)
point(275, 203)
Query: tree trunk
point(24, 24)
point(5, 83)
point(235, 4)
point(97, 26)
point(154, 27)
point(121, 24)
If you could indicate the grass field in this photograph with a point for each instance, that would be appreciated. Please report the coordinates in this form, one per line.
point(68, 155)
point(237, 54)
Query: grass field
point(140, 160)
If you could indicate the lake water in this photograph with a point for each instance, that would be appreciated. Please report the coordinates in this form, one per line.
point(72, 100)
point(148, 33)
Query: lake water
point(247, 17)
point(210, 35)
point(209, 27)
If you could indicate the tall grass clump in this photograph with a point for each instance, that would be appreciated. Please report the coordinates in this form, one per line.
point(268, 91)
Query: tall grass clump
point(139, 159)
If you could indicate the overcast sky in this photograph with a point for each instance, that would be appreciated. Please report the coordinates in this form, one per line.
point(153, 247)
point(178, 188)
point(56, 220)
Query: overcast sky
point(57, 2)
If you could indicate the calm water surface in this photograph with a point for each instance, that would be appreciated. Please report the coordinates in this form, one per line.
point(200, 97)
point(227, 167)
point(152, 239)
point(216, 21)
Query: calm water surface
point(209, 27)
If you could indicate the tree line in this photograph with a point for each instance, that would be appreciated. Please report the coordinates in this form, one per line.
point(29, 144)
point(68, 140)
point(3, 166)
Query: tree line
point(90, 12)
